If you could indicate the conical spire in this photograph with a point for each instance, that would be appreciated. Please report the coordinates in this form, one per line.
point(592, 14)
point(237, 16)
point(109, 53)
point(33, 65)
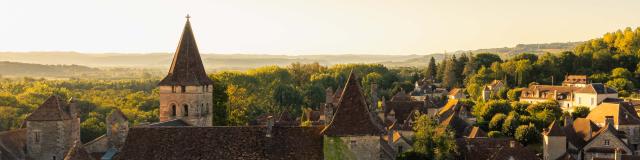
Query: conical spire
point(352, 116)
point(186, 68)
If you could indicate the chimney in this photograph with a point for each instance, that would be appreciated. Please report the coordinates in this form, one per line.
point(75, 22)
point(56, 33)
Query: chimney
point(568, 120)
point(608, 120)
point(269, 126)
point(512, 144)
point(73, 108)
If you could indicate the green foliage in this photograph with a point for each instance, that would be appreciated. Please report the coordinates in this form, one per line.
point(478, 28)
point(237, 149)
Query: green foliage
point(431, 69)
point(431, 142)
point(495, 134)
point(511, 123)
point(599, 78)
point(580, 112)
point(411, 155)
point(622, 85)
point(514, 94)
point(335, 149)
point(501, 93)
point(496, 122)
point(527, 134)
point(492, 107)
point(621, 73)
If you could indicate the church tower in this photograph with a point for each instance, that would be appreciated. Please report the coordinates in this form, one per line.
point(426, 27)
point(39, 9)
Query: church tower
point(186, 92)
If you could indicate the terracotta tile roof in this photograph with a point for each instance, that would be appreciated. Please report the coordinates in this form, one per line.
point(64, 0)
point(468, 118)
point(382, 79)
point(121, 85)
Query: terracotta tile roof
point(53, 109)
point(173, 122)
point(352, 116)
point(518, 152)
point(476, 132)
point(621, 114)
point(448, 107)
point(454, 91)
point(554, 130)
point(580, 131)
point(246, 142)
point(598, 88)
point(12, 143)
point(77, 152)
point(186, 68)
point(575, 79)
point(492, 148)
point(403, 109)
point(401, 96)
point(457, 125)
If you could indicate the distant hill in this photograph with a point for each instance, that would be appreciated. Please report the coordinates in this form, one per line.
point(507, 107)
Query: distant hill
point(73, 62)
point(16, 69)
point(505, 52)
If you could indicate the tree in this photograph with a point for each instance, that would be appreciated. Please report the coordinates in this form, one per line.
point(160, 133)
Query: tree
point(622, 85)
point(621, 73)
point(496, 122)
point(486, 59)
point(450, 79)
point(432, 143)
point(431, 69)
point(511, 123)
point(526, 134)
point(514, 94)
point(492, 107)
point(580, 112)
point(495, 134)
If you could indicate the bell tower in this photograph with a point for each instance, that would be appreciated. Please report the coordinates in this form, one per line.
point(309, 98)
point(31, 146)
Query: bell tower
point(187, 92)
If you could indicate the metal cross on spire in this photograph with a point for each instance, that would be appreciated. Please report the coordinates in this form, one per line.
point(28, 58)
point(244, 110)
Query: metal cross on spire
point(187, 17)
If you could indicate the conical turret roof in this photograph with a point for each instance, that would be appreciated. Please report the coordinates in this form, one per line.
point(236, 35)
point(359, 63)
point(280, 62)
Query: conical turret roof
point(186, 68)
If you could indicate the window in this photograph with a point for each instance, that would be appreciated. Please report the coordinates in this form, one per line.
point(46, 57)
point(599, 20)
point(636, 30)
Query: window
point(204, 89)
point(36, 136)
point(173, 89)
point(54, 157)
point(186, 110)
point(591, 101)
point(173, 110)
point(183, 89)
point(606, 142)
point(353, 143)
point(579, 99)
point(399, 149)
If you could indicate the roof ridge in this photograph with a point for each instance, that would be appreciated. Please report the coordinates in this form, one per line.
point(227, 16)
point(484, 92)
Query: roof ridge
point(186, 67)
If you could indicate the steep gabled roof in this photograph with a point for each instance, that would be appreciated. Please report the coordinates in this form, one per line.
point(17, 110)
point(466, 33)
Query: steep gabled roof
point(476, 132)
point(554, 130)
point(186, 68)
point(12, 144)
point(621, 114)
point(456, 124)
point(53, 109)
point(596, 88)
point(77, 152)
point(352, 116)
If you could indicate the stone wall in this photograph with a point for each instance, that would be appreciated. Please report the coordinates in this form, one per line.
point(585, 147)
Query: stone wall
point(49, 139)
point(198, 99)
point(353, 147)
point(614, 142)
point(554, 147)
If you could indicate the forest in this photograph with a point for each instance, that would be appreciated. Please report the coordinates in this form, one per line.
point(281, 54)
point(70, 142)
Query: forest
point(241, 96)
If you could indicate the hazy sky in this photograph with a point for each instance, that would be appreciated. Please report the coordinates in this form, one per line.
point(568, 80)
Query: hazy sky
point(305, 26)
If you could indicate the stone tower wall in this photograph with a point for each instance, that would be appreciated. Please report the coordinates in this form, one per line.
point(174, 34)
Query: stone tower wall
point(54, 138)
point(364, 147)
point(199, 100)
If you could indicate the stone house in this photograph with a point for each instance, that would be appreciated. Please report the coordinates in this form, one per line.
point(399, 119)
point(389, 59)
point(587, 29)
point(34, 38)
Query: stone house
point(491, 89)
point(117, 129)
point(625, 120)
point(575, 91)
point(456, 93)
point(187, 92)
point(353, 125)
point(52, 129)
point(583, 139)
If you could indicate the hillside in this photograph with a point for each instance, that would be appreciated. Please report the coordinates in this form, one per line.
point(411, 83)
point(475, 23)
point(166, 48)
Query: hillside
point(505, 52)
point(16, 69)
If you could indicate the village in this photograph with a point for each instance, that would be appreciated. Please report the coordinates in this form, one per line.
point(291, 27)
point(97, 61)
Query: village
point(346, 126)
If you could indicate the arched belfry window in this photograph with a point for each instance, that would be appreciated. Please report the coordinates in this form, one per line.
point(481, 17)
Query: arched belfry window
point(173, 110)
point(186, 110)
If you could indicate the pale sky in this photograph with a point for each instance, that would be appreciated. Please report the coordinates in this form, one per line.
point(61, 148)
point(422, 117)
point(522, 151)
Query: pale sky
point(296, 27)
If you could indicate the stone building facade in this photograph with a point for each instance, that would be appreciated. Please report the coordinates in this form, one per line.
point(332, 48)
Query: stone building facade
point(187, 92)
point(52, 129)
point(355, 126)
